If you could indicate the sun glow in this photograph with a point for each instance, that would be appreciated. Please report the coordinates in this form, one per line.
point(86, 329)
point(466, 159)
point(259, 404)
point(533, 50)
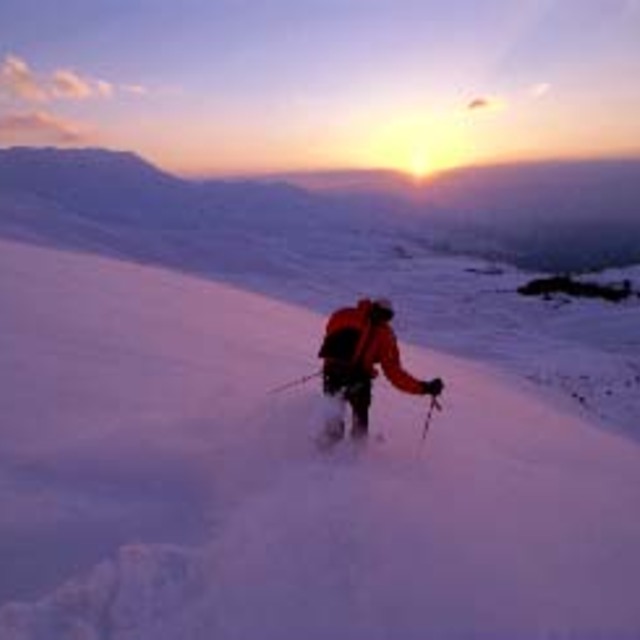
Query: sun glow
point(419, 166)
point(421, 146)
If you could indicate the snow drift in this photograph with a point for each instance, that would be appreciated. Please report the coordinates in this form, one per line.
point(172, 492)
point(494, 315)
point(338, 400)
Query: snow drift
point(146, 468)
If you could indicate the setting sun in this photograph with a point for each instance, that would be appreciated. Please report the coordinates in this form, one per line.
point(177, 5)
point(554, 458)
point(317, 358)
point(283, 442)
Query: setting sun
point(421, 145)
point(419, 166)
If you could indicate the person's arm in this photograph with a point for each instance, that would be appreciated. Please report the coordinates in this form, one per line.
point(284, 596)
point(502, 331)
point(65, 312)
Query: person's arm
point(393, 369)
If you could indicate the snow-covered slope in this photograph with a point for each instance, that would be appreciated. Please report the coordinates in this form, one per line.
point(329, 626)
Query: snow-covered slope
point(322, 250)
point(143, 457)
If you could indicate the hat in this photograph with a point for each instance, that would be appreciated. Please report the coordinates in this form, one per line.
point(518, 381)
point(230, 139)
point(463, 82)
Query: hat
point(384, 308)
point(384, 303)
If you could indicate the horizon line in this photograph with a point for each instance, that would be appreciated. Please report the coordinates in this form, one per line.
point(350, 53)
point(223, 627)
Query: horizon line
point(337, 170)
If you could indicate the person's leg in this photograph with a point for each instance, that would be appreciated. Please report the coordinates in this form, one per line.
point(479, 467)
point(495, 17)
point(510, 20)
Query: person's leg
point(359, 397)
point(334, 407)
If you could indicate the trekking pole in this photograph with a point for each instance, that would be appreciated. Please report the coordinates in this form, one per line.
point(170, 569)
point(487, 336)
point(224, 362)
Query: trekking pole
point(297, 382)
point(434, 405)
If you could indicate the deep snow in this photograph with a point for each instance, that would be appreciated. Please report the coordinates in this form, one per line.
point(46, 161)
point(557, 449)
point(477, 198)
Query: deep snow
point(143, 457)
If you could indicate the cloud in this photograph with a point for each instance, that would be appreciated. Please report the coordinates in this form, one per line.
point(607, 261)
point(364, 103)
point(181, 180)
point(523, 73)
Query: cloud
point(492, 103)
point(19, 81)
point(40, 126)
point(134, 89)
point(539, 90)
point(68, 84)
point(478, 103)
point(104, 88)
point(485, 103)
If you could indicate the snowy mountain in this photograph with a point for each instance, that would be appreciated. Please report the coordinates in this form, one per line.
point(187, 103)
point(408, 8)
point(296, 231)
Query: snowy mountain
point(120, 188)
point(568, 216)
point(103, 186)
point(118, 205)
point(153, 487)
point(322, 250)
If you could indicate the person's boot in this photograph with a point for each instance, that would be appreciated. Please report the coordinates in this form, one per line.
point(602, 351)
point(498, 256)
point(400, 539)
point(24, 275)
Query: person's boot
point(359, 429)
point(333, 432)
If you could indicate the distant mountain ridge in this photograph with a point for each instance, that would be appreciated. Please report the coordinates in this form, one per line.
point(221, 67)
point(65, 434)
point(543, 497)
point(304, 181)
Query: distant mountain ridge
point(541, 215)
point(118, 204)
point(122, 187)
point(106, 186)
point(550, 216)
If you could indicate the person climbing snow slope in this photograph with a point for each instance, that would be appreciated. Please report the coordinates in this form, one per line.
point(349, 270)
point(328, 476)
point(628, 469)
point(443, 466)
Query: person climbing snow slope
point(356, 340)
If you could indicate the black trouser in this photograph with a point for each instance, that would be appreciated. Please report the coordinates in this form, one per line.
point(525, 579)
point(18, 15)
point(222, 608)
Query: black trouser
point(355, 388)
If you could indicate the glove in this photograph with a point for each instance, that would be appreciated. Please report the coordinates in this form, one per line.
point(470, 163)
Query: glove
point(433, 387)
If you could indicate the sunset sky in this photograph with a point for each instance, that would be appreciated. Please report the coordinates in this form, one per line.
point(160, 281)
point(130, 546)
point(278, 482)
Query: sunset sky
point(210, 87)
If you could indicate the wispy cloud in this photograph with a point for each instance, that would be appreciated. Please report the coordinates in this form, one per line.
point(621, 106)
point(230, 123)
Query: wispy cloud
point(134, 89)
point(40, 126)
point(68, 84)
point(105, 89)
point(492, 103)
point(485, 103)
point(539, 90)
point(20, 82)
point(17, 78)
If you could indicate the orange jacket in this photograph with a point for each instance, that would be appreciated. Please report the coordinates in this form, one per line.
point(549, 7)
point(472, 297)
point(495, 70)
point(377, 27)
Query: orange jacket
point(376, 344)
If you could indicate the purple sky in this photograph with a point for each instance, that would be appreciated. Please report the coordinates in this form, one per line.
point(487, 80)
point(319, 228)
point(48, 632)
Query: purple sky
point(202, 86)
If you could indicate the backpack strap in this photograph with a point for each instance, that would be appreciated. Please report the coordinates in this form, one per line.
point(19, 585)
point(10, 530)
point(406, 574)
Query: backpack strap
point(366, 334)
